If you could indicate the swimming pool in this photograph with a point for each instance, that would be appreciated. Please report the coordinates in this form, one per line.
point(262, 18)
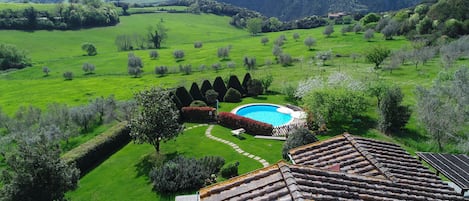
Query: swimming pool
point(268, 113)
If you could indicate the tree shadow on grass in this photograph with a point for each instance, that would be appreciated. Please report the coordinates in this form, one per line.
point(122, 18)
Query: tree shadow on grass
point(260, 97)
point(358, 126)
point(151, 160)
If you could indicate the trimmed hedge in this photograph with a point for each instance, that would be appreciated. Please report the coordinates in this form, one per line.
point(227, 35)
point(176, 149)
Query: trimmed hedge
point(234, 83)
point(251, 126)
point(232, 96)
point(198, 103)
point(184, 96)
point(90, 154)
point(195, 92)
point(220, 87)
point(206, 85)
point(198, 114)
point(246, 79)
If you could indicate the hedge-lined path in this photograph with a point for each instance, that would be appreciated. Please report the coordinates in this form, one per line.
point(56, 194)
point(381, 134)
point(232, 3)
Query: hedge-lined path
point(208, 133)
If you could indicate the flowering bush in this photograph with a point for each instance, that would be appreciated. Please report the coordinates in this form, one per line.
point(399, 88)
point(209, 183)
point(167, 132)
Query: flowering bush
point(251, 126)
point(198, 114)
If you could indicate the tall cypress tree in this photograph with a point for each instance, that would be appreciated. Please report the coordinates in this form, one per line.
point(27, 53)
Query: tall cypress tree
point(206, 85)
point(234, 83)
point(219, 86)
point(184, 96)
point(246, 80)
point(195, 92)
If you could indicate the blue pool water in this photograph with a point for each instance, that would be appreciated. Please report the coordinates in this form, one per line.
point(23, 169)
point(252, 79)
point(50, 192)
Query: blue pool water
point(265, 113)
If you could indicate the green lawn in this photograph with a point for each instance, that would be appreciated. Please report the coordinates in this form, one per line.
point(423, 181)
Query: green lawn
point(124, 175)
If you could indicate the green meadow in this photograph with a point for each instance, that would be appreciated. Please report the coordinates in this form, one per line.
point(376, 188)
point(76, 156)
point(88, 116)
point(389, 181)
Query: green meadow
point(124, 175)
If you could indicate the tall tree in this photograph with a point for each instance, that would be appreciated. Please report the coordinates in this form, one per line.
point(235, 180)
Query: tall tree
point(377, 55)
point(254, 25)
point(157, 35)
point(35, 172)
point(157, 119)
point(392, 115)
point(442, 109)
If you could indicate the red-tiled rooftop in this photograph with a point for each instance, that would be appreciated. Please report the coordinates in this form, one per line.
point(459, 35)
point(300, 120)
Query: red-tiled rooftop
point(366, 169)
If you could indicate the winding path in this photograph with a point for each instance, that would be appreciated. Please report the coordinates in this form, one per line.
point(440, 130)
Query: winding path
point(208, 133)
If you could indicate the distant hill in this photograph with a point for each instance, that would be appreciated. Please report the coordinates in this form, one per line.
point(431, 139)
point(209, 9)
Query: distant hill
point(295, 9)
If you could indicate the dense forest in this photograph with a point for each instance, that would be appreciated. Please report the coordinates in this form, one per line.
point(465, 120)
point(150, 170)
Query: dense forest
point(288, 9)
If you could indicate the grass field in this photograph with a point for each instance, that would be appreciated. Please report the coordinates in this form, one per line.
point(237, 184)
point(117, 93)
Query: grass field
point(123, 175)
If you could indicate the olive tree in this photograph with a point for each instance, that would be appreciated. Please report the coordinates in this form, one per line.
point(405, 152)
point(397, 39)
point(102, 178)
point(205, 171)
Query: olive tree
point(309, 42)
point(157, 119)
point(89, 48)
point(35, 171)
point(377, 55)
point(296, 138)
point(254, 25)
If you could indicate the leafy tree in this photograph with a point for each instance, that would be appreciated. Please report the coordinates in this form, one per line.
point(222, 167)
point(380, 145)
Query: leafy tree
point(335, 105)
point(370, 18)
point(134, 65)
point(390, 29)
point(161, 70)
point(216, 67)
point(35, 172)
point(276, 51)
point(232, 96)
point(153, 54)
point(249, 62)
point(267, 81)
point(178, 55)
point(369, 34)
point(219, 87)
point(195, 92)
point(127, 110)
point(328, 30)
point(89, 48)
point(285, 59)
point(211, 96)
point(157, 119)
point(46, 70)
point(198, 44)
point(296, 138)
point(357, 28)
point(186, 69)
point(223, 52)
point(254, 25)
point(424, 26)
point(392, 115)
point(442, 109)
point(309, 42)
point(83, 116)
point(255, 87)
point(377, 55)
point(324, 56)
point(157, 35)
point(123, 42)
point(280, 40)
point(264, 40)
point(88, 68)
point(68, 75)
point(12, 57)
point(296, 36)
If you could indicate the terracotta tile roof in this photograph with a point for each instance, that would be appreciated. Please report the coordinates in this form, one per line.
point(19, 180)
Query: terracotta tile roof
point(369, 170)
point(284, 181)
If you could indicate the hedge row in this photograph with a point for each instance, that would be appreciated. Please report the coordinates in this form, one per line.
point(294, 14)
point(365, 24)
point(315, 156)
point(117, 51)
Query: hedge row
point(251, 126)
point(91, 153)
point(198, 114)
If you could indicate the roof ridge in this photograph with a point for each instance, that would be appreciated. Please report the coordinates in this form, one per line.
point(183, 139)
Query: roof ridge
point(290, 181)
point(370, 157)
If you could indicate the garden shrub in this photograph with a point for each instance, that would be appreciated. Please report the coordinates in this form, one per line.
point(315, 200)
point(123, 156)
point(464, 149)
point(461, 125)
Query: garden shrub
point(211, 96)
point(246, 79)
point(184, 96)
point(230, 171)
point(198, 103)
point(234, 83)
point(176, 100)
point(206, 85)
point(185, 174)
point(89, 154)
point(255, 87)
point(195, 92)
point(219, 86)
point(198, 114)
point(296, 138)
point(251, 126)
point(232, 96)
